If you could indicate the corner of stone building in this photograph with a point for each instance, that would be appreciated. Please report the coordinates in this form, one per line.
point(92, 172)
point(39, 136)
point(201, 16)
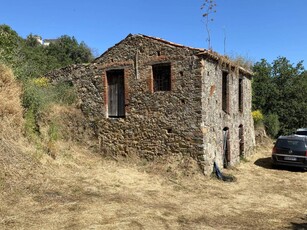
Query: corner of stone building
point(205, 164)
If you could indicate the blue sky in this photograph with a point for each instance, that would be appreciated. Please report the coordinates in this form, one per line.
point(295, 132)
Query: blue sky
point(254, 29)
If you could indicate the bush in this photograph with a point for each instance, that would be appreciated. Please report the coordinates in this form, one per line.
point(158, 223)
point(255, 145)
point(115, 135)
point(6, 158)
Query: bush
point(257, 117)
point(31, 127)
point(41, 81)
point(39, 94)
point(64, 93)
point(272, 124)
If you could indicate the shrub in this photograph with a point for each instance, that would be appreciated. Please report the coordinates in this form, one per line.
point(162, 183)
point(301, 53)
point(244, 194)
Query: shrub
point(64, 93)
point(272, 124)
point(258, 117)
point(39, 94)
point(33, 97)
point(53, 131)
point(31, 127)
point(41, 81)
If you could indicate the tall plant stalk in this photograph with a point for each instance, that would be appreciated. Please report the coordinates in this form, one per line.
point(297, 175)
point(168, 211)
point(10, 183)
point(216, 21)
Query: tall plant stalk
point(209, 9)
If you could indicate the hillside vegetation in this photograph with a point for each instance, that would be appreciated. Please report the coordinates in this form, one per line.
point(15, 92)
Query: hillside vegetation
point(29, 59)
point(16, 155)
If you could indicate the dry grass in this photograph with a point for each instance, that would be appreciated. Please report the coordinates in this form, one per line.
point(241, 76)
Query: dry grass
point(80, 190)
point(16, 164)
point(10, 109)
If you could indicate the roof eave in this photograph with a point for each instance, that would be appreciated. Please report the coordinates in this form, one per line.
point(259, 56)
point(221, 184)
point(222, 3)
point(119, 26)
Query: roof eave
point(217, 57)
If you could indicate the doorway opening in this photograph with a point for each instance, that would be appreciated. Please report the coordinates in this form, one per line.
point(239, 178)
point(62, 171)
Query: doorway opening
point(116, 93)
point(241, 140)
point(226, 147)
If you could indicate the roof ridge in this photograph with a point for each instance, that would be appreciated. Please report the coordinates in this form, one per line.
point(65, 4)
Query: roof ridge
point(169, 42)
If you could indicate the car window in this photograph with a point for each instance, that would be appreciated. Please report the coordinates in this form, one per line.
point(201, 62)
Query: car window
point(296, 145)
point(301, 133)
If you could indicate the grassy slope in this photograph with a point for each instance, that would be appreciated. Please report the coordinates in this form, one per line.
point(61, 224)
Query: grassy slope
point(15, 160)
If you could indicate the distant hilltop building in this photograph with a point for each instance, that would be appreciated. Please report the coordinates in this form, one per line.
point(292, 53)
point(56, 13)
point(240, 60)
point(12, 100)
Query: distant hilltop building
point(45, 42)
point(38, 39)
point(48, 41)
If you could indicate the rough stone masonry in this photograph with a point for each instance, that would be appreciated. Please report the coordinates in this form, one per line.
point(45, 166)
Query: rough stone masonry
point(153, 98)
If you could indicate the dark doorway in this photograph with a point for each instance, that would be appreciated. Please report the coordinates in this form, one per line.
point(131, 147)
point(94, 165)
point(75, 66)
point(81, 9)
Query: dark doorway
point(116, 93)
point(226, 147)
point(241, 140)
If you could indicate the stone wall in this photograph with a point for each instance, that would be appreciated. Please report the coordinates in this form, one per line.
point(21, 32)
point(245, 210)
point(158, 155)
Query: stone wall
point(87, 81)
point(185, 121)
point(157, 123)
point(214, 119)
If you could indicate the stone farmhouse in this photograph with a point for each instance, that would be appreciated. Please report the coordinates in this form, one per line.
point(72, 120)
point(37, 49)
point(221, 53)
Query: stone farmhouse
point(155, 98)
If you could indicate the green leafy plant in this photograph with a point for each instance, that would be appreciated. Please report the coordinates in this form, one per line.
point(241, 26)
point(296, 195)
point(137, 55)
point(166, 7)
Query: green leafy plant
point(38, 95)
point(272, 124)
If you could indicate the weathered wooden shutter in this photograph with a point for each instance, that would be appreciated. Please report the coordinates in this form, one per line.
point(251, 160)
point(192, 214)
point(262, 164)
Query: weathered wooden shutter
point(116, 93)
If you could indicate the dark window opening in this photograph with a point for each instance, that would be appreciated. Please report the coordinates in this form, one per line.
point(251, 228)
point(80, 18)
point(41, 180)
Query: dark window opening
point(225, 92)
point(116, 93)
point(162, 77)
point(240, 94)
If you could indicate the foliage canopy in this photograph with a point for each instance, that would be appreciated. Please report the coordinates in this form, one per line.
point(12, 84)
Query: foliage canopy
point(29, 59)
point(280, 92)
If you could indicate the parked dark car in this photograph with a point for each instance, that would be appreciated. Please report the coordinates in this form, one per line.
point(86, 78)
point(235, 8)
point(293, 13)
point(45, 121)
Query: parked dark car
point(301, 131)
point(290, 151)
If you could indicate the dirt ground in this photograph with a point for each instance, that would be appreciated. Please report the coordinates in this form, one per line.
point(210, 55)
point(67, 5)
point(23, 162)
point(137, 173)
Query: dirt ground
point(80, 190)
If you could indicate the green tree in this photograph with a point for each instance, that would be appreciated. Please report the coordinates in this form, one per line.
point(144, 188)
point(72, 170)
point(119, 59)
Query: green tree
point(272, 125)
point(66, 51)
point(35, 59)
point(280, 88)
point(264, 90)
point(29, 59)
point(10, 47)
